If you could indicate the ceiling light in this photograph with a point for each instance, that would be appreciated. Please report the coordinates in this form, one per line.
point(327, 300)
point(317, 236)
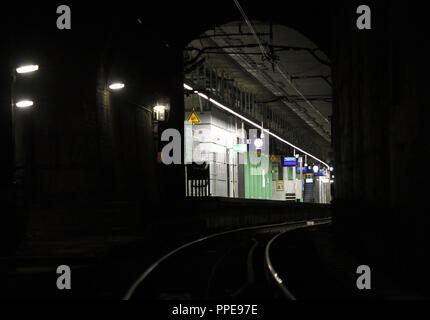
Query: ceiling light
point(116, 86)
point(27, 68)
point(24, 104)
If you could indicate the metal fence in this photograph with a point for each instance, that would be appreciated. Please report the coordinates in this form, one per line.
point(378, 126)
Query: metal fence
point(198, 182)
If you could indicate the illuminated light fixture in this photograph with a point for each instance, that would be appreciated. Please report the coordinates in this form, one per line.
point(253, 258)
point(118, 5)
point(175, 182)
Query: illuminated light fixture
point(297, 155)
point(24, 104)
point(258, 143)
point(309, 180)
point(116, 86)
point(331, 181)
point(160, 112)
point(316, 169)
point(27, 69)
point(221, 106)
point(305, 165)
point(159, 108)
point(203, 95)
point(332, 177)
point(187, 87)
point(331, 168)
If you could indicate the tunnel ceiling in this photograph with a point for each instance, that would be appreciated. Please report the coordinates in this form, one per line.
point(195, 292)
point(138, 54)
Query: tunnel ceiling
point(302, 93)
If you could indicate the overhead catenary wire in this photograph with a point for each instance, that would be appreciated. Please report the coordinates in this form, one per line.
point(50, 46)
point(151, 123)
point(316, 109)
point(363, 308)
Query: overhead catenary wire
point(266, 55)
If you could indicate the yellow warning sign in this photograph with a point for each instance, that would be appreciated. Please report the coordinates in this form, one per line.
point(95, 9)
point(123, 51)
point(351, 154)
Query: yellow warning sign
point(273, 158)
point(194, 118)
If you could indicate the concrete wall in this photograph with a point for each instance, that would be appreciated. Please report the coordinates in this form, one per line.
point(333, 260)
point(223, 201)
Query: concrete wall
point(89, 154)
point(380, 134)
point(217, 214)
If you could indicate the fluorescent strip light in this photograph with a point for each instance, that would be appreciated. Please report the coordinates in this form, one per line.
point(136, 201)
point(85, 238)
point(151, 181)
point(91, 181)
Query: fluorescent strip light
point(203, 95)
point(187, 87)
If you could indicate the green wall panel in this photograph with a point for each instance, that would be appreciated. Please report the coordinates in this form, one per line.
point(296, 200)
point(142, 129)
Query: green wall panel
point(254, 188)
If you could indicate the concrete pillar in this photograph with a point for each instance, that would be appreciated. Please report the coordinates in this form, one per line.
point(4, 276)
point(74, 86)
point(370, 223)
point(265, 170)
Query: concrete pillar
point(171, 183)
point(381, 111)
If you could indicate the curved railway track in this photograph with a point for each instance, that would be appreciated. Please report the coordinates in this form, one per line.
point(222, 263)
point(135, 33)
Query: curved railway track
point(234, 264)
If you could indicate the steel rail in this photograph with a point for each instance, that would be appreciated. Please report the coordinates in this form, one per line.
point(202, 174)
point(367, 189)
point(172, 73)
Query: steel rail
point(269, 266)
point(152, 267)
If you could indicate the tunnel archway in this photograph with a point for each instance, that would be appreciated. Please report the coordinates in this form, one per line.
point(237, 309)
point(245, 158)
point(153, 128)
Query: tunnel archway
point(274, 76)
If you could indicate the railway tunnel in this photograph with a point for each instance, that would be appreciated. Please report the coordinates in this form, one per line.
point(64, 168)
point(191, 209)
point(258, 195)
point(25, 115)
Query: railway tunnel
point(86, 160)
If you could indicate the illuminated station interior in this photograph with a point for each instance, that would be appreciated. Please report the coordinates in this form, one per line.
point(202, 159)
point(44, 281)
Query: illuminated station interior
point(237, 126)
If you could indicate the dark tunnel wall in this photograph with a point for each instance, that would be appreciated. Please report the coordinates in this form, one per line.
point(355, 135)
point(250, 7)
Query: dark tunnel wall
point(89, 154)
point(380, 136)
